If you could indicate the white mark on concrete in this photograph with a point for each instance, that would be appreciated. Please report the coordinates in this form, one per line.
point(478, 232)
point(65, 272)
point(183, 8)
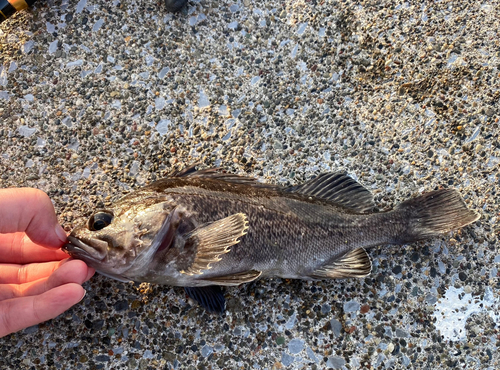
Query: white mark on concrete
point(453, 310)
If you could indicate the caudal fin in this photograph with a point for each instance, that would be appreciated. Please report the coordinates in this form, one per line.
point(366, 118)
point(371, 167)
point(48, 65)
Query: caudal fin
point(434, 213)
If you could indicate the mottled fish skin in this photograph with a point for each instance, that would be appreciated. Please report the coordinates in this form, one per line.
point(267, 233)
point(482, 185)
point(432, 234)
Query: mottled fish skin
point(288, 237)
point(201, 228)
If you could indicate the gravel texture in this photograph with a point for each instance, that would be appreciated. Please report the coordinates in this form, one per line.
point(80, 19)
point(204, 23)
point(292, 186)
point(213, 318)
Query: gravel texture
point(100, 97)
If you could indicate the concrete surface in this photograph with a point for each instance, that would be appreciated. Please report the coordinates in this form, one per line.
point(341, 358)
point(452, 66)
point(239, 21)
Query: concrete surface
point(100, 97)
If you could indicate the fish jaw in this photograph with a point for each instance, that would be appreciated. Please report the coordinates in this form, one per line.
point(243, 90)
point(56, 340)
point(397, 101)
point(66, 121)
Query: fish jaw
point(80, 249)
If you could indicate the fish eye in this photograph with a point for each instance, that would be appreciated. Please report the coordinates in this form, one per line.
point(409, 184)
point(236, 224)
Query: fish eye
point(100, 220)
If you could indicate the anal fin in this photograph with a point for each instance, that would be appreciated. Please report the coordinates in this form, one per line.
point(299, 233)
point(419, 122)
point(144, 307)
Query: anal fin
point(355, 263)
point(235, 279)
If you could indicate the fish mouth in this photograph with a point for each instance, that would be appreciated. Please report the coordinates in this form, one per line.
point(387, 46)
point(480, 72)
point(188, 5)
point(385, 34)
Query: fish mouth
point(76, 247)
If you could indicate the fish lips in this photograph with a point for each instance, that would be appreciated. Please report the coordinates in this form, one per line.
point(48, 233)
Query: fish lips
point(77, 248)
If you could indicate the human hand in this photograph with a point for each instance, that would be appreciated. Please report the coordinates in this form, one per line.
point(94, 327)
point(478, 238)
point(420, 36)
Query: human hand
point(37, 280)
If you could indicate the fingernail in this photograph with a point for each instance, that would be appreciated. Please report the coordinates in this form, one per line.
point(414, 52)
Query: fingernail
point(83, 296)
point(61, 234)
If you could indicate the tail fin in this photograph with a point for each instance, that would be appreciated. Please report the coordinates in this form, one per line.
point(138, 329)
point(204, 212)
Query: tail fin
point(434, 213)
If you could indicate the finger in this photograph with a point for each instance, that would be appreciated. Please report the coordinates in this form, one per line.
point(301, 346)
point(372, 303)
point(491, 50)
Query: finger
point(30, 210)
point(73, 271)
point(12, 273)
point(18, 248)
point(90, 273)
point(19, 313)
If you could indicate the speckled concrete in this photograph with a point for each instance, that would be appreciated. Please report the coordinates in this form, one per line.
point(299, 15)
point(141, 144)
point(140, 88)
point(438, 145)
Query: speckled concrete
point(99, 97)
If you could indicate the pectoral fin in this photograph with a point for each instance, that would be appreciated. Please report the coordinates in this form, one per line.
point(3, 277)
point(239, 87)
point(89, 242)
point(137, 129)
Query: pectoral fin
point(211, 240)
point(211, 298)
point(235, 279)
point(355, 263)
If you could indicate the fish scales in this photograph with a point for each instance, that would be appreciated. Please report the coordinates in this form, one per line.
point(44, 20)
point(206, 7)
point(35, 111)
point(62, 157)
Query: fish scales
point(205, 229)
point(288, 238)
point(280, 226)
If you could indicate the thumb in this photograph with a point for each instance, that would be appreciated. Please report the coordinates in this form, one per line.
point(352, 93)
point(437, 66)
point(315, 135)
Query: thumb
point(30, 210)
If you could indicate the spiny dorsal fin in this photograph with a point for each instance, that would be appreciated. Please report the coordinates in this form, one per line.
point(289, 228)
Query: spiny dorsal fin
point(235, 279)
point(337, 188)
point(185, 172)
point(213, 239)
point(355, 263)
point(219, 174)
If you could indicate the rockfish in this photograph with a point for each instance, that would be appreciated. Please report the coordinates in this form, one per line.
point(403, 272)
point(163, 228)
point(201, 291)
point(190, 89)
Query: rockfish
point(206, 229)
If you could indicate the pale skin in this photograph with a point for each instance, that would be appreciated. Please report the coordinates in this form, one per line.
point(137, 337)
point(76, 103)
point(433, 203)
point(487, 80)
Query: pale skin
point(37, 280)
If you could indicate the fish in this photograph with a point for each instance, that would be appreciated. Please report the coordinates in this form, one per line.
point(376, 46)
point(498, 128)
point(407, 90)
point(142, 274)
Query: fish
point(206, 229)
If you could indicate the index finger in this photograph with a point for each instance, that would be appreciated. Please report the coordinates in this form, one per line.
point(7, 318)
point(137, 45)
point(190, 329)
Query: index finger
point(18, 248)
point(30, 210)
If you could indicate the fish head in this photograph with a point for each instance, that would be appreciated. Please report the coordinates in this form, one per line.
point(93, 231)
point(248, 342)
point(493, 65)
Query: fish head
point(120, 240)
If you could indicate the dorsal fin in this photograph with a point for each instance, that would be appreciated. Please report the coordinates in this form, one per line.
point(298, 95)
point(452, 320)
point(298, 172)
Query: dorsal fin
point(337, 188)
point(219, 174)
point(189, 171)
point(355, 263)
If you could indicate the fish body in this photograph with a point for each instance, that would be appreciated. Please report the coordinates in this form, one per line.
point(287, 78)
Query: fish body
point(200, 229)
